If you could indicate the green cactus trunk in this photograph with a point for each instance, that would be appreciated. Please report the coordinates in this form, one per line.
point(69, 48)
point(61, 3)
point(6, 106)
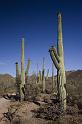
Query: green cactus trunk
point(39, 77)
point(53, 82)
point(18, 81)
point(22, 86)
point(58, 60)
point(61, 72)
point(28, 66)
point(47, 74)
point(26, 80)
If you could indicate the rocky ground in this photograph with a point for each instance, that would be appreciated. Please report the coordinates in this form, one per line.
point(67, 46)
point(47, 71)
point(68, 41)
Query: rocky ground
point(21, 113)
point(41, 108)
point(40, 111)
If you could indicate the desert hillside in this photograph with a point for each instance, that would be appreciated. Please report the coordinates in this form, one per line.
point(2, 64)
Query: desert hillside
point(74, 82)
point(7, 83)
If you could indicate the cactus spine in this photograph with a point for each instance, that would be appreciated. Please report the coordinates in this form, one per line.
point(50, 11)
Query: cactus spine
point(22, 71)
point(58, 60)
point(43, 77)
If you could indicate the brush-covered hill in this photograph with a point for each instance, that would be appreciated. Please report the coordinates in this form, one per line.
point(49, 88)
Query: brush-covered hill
point(7, 82)
point(74, 84)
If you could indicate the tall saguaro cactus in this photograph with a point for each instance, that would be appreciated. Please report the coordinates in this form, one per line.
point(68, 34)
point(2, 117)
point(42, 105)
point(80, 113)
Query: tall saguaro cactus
point(58, 60)
point(22, 71)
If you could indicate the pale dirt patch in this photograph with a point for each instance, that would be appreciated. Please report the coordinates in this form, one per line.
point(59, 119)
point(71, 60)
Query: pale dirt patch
point(4, 104)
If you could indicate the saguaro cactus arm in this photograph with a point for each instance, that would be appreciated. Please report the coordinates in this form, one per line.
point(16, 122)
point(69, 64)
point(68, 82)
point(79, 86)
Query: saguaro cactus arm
point(54, 59)
point(28, 66)
point(55, 53)
point(17, 69)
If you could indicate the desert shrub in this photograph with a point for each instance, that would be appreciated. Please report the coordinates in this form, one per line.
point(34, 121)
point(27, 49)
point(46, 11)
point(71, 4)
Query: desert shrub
point(72, 110)
point(32, 89)
point(48, 112)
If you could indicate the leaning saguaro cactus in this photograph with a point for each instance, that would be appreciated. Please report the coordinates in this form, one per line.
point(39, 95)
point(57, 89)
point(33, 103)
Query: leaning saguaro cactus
point(58, 60)
point(22, 72)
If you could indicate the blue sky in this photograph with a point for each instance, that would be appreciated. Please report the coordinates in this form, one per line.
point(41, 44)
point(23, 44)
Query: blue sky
point(36, 21)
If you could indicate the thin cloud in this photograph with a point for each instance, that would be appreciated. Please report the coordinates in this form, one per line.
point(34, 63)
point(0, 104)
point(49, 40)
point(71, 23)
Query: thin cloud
point(2, 64)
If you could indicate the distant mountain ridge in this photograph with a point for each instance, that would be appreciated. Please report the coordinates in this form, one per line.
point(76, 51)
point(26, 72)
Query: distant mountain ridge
point(69, 74)
point(74, 74)
point(6, 78)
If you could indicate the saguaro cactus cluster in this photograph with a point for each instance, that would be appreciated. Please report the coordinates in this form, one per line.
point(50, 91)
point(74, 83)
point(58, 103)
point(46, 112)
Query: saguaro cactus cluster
point(57, 57)
point(21, 79)
point(58, 60)
point(41, 76)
